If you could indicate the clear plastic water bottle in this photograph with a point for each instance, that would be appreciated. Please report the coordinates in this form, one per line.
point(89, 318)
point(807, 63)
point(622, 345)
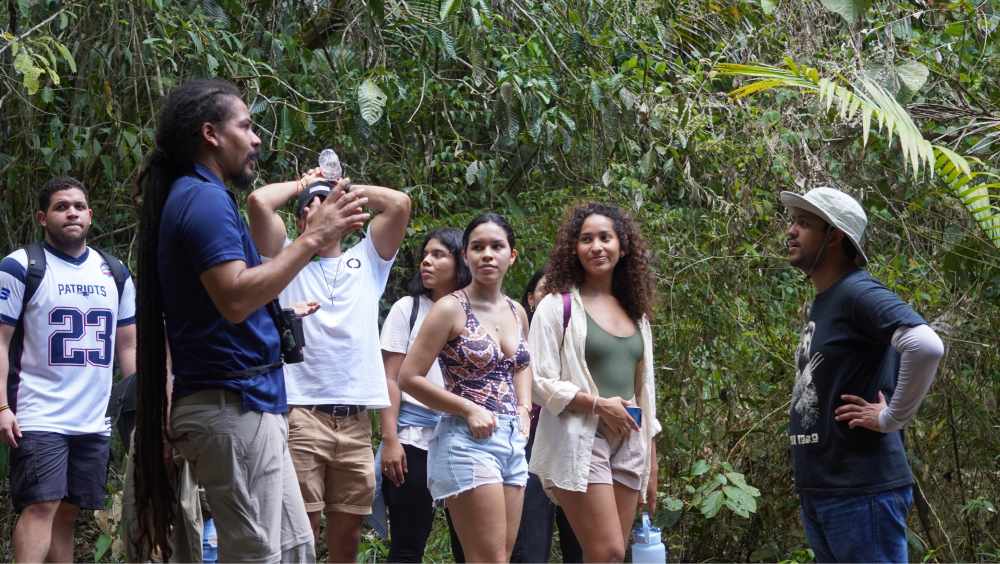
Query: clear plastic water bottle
point(647, 548)
point(329, 165)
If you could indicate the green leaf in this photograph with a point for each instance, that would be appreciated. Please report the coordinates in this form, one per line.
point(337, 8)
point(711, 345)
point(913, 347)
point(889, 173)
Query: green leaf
point(850, 10)
point(712, 504)
point(627, 98)
point(740, 498)
point(700, 468)
point(470, 173)
point(567, 120)
point(449, 45)
point(213, 64)
point(596, 94)
point(23, 5)
point(567, 140)
point(259, 105)
point(101, 546)
point(23, 64)
point(286, 124)
point(661, 32)
point(767, 6)
point(912, 76)
point(740, 481)
point(371, 100)
point(612, 118)
point(448, 8)
point(66, 55)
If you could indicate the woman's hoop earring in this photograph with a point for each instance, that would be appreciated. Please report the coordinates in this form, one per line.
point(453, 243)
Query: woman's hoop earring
point(532, 309)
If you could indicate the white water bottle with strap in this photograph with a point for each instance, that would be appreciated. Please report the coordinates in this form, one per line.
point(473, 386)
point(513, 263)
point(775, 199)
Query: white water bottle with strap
point(648, 549)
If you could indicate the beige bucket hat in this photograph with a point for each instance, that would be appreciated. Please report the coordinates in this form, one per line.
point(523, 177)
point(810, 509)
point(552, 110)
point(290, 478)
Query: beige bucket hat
point(836, 208)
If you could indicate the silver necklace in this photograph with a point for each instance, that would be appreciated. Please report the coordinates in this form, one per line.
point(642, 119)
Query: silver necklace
point(326, 279)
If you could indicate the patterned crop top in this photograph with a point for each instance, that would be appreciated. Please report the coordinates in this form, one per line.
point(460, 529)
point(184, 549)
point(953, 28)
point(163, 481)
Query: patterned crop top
point(475, 367)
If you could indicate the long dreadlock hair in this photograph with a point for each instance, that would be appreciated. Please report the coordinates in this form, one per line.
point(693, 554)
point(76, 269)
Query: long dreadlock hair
point(178, 139)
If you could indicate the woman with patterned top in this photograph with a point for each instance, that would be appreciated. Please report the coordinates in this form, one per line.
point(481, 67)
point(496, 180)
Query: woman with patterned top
point(478, 336)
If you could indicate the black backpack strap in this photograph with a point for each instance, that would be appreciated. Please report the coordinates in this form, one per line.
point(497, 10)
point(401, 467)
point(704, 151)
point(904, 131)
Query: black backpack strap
point(32, 280)
point(35, 272)
point(414, 311)
point(122, 399)
point(117, 270)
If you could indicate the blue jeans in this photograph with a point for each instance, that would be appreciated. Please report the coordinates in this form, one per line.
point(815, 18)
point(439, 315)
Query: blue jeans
point(858, 528)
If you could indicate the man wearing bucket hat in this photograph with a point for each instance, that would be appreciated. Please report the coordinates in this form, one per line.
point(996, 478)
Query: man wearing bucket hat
point(864, 363)
point(342, 376)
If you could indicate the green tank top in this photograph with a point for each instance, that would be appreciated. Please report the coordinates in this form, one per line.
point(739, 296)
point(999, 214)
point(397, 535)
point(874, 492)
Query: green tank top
point(612, 360)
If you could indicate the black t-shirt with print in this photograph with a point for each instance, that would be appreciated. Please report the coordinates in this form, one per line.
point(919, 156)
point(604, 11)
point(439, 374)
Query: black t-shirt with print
point(846, 349)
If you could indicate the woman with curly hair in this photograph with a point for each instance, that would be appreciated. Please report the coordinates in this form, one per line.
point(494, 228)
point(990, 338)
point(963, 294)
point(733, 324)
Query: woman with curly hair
point(592, 353)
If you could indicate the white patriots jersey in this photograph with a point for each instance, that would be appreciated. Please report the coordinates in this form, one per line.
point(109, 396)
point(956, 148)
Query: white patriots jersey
point(64, 365)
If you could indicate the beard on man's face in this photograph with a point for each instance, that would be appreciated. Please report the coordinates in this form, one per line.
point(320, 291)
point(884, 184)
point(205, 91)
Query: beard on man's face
point(64, 241)
point(244, 180)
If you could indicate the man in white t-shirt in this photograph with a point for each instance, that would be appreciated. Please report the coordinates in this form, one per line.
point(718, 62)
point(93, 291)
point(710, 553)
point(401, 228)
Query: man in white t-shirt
point(329, 434)
point(57, 350)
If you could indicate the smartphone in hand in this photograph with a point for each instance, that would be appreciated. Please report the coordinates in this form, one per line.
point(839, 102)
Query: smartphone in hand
point(636, 414)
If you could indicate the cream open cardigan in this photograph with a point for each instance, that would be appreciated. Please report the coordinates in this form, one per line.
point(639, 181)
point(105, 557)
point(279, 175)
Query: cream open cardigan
point(564, 439)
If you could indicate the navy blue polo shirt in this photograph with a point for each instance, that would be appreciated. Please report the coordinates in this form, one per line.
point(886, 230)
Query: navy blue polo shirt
point(200, 228)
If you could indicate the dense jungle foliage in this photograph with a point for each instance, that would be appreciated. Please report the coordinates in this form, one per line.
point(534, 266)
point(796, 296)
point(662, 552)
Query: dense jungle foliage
point(525, 106)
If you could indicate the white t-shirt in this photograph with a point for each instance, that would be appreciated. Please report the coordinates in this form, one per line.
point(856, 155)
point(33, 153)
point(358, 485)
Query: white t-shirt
point(343, 363)
point(397, 338)
point(70, 324)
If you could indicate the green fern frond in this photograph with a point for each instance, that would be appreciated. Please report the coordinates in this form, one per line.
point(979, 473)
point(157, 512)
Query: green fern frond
point(877, 104)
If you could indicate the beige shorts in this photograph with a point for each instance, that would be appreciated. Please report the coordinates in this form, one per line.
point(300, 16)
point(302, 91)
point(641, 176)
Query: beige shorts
point(621, 459)
point(333, 460)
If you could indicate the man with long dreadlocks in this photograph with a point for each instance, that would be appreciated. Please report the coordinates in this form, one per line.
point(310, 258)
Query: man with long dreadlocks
point(864, 363)
point(205, 292)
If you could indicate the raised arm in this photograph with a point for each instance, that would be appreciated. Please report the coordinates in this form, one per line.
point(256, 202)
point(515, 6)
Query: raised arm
point(238, 291)
point(267, 229)
point(389, 227)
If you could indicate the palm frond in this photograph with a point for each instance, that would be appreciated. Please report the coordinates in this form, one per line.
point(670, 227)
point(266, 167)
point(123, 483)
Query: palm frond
point(876, 103)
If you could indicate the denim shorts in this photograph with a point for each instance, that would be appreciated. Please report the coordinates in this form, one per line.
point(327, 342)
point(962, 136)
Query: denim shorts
point(458, 462)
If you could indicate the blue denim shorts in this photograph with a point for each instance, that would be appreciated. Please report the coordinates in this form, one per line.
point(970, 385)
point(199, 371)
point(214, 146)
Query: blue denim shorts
point(458, 462)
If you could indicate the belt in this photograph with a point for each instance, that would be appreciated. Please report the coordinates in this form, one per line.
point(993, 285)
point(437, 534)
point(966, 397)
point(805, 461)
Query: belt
point(335, 410)
point(212, 396)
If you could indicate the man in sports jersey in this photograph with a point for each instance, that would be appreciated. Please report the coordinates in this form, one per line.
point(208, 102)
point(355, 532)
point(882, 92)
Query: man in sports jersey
point(329, 434)
point(864, 363)
point(54, 388)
